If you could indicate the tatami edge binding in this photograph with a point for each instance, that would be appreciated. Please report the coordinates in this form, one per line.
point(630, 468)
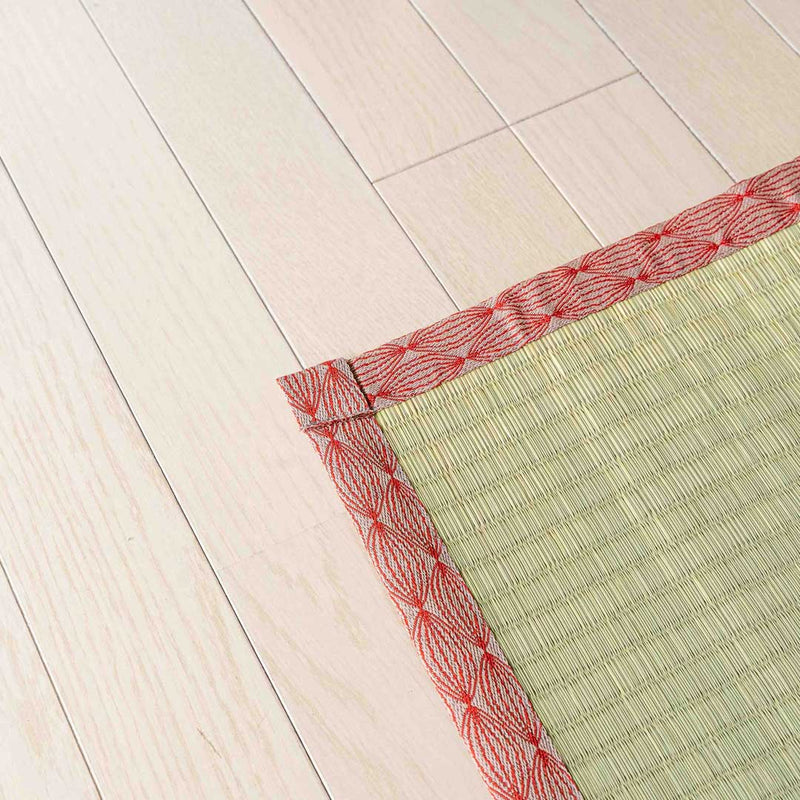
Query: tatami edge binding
point(490, 708)
point(419, 361)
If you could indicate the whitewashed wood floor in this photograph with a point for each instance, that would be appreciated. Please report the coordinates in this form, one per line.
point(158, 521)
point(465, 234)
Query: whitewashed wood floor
point(199, 196)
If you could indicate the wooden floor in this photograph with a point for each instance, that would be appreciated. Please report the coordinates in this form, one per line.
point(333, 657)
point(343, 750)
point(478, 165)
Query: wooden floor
point(197, 197)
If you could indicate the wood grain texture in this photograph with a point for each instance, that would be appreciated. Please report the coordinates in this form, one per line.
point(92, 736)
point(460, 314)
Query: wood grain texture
point(485, 217)
point(729, 76)
point(340, 651)
point(784, 16)
point(640, 165)
point(165, 693)
point(39, 758)
point(196, 355)
point(383, 79)
point(526, 55)
point(297, 210)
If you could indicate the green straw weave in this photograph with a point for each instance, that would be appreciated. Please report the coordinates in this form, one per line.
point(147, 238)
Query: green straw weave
point(622, 500)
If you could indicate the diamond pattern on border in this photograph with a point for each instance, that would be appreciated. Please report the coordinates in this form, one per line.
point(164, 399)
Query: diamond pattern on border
point(419, 361)
point(491, 710)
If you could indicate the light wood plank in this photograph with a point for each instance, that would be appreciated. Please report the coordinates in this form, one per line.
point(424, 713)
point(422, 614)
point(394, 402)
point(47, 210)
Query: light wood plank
point(485, 216)
point(299, 213)
point(39, 758)
point(196, 356)
point(721, 67)
point(784, 16)
point(339, 647)
point(383, 79)
point(639, 165)
point(526, 55)
point(166, 695)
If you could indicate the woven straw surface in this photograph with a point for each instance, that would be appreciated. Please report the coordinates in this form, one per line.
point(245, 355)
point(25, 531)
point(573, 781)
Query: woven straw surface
point(623, 499)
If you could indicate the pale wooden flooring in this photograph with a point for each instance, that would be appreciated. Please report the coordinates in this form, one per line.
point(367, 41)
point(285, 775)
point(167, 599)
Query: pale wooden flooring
point(198, 197)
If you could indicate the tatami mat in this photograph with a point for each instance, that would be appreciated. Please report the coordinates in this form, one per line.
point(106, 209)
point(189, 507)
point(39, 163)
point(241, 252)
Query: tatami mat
point(622, 499)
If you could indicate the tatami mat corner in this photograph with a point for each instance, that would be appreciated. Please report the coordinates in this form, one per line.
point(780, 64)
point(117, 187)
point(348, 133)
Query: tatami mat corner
point(601, 520)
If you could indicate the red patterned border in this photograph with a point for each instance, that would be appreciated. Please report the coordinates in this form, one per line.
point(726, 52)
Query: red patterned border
point(493, 714)
point(419, 361)
point(335, 401)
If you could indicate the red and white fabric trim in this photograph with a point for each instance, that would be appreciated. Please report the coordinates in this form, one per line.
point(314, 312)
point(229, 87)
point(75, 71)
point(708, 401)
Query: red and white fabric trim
point(493, 714)
point(419, 361)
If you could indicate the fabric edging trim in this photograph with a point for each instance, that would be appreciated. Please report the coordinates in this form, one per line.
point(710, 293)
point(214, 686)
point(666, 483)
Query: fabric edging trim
point(490, 708)
point(419, 361)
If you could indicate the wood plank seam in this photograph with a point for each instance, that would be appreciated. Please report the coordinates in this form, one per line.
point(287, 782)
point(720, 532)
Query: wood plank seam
point(559, 188)
point(122, 69)
point(627, 55)
point(494, 106)
point(771, 25)
point(170, 487)
point(575, 97)
point(286, 61)
point(602, 146)
point(4, 571)
point(507, 126)
point(4, 575)
point(504, 117)
point(452, 149)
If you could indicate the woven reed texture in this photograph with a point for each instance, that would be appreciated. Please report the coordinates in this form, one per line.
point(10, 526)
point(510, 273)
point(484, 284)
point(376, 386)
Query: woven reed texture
point(622, 498)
